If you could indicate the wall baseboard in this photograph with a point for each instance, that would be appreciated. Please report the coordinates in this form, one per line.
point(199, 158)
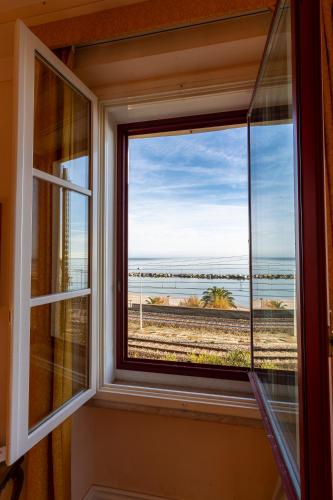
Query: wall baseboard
point(103, 493)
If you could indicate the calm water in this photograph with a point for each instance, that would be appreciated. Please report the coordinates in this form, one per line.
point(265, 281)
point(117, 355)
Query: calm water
point(277, 289)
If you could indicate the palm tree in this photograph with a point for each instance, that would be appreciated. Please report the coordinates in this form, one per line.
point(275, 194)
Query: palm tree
point(219, 298)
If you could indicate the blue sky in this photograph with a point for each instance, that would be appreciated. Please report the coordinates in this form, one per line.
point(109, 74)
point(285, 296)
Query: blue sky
point(188, 195)
point(273, 215)
point(77, 173)
point(78, 170)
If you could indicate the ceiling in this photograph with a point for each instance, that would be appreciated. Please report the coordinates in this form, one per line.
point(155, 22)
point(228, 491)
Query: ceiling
point(224, 54)
point(7, 5)
point(37, 11)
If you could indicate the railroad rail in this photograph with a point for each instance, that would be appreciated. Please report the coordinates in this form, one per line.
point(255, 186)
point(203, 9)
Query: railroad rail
point(215, 322)
point(186, 348)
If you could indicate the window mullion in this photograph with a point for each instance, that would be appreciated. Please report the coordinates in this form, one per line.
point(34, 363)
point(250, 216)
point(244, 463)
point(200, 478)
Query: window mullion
point(57, 297)
point(60, 182)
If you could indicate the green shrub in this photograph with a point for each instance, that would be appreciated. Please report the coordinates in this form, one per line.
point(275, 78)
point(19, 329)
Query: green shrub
point(237, 358)
point(275, 304)
point(169, 357)
point(192, 301)
point(207, 359)
point(157, 301)
point(267, 365)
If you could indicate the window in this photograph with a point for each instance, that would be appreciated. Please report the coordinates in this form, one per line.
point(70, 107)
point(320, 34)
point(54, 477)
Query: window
point(287, 219)
point(273, 234)
point(184, 279)
point(60, 255)
point(54, 313)
point(183, 275)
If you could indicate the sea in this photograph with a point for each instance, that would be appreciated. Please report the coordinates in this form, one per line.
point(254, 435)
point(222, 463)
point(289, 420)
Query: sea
point(176, 288)
point(264, 288)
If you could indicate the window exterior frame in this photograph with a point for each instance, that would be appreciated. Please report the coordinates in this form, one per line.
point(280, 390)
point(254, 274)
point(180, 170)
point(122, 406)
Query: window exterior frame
point(19, 438)
point(312, 298)
point(124, 132)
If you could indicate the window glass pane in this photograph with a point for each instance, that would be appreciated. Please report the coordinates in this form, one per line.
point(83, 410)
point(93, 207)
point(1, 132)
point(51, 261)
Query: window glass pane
point(273, 239)
point(58, 355)
point(62, 127)
point(188, 275)
point(60, 242)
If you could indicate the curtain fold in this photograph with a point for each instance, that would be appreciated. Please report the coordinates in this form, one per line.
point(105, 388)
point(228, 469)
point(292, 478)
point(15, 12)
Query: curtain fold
point(62, 384)
point(48, 464)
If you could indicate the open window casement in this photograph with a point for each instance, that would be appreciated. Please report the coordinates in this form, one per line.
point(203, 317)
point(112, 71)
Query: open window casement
point(54, 329)
point(54, 325)
point(287, 218)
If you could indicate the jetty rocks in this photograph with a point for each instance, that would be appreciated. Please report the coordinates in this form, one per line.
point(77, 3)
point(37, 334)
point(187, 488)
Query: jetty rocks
point(210, 276)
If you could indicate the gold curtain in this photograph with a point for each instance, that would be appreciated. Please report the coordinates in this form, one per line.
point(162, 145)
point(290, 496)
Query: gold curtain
point(327, 63)
point(48, 470)
point(62, 384)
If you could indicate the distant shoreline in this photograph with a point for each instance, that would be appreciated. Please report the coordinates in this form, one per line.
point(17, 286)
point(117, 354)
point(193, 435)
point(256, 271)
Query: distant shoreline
point(134, 298)
point(212, 276)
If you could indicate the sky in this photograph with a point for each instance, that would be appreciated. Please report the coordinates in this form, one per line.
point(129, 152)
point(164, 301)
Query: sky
point(77, 173)
point(273, 213)
point(188, 194)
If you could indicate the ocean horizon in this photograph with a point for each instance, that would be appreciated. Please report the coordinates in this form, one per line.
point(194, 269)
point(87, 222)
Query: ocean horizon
point(174, 287)
point(180, 287)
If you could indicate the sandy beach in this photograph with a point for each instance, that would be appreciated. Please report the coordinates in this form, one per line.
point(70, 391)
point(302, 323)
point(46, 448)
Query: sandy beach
point(134, 298)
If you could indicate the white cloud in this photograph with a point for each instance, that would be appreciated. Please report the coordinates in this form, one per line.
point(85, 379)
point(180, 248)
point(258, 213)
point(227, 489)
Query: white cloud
point(175, 208)
point(162, 230)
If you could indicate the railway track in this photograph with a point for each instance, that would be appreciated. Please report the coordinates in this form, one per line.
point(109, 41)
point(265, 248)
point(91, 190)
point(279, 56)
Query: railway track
point(205, 345)
point(225, 323)
point(188, 348)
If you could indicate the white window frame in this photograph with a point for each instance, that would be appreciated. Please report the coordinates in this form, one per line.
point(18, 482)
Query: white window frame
point(19, 440)
point(146, 390)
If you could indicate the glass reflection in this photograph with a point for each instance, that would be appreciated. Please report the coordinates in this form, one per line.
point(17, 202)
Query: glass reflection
point(273, 238)
point(58, 355)
point(62, 127)
point(59, 239)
